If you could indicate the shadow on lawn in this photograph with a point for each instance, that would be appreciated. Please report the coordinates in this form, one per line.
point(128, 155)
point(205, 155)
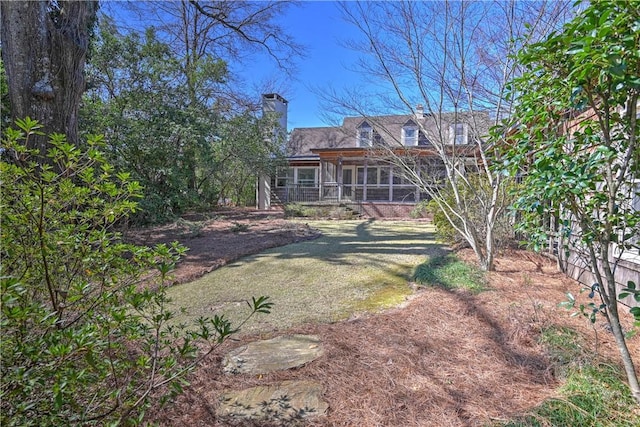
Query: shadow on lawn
point(448, 272)
point(368, 246)
point(365, 239)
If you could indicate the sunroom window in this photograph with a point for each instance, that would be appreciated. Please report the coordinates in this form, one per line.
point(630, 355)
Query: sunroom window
point(306, 177)
point(399, 177)
point(375, 176)
point(284, 177)
point(433, 170)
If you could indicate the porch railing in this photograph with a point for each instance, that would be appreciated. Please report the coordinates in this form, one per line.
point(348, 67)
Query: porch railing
point(345, 193)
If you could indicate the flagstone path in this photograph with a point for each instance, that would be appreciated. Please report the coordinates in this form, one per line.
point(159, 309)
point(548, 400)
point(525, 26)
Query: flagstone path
point(276, 354)
point(285, 402)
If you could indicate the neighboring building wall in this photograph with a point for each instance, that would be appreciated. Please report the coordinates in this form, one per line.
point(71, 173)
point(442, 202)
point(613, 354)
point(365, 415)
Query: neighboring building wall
point(577, 268)
point(628, 263)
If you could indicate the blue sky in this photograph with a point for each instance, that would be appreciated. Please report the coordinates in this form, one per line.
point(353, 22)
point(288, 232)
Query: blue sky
point(319, 27)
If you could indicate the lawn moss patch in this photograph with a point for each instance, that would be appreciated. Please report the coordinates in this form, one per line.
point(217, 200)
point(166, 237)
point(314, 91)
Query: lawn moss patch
point(449, 272)
point(354, 266)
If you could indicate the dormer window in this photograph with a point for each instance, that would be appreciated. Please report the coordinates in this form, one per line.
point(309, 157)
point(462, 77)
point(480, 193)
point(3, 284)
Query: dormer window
point(365, 135)
point(459, 134)
point(410, 134)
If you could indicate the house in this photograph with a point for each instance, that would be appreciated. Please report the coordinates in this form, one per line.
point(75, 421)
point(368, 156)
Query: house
point(356, 163)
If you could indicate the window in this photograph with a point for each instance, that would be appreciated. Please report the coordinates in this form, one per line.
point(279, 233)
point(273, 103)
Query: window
point(458, 132)
point(284, 177)
point(409, 135)
point(398, 177)
point(375, 176)
point(433, 170)
point(306, 177)
point(384, 176)
point(288, 177)
point(372, 176)
point(365, 135)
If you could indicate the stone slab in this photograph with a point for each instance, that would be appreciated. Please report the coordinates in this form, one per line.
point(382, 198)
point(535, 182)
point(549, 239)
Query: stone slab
point(276, 354)
point(285, 402)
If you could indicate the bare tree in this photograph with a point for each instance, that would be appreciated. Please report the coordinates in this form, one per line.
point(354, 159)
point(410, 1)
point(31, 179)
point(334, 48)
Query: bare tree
point(220, 37)
point(455, 60)
point(44, 46)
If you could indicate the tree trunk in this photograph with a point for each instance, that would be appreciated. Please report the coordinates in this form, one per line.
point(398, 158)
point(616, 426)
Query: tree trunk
point(621, 342)
point(613, 316)
point(44, 46)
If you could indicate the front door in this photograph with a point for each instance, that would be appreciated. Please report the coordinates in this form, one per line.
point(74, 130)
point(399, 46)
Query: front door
point(347, 183)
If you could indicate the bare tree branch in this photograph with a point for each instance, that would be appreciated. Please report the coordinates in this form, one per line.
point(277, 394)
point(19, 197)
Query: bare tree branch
point(454, 58)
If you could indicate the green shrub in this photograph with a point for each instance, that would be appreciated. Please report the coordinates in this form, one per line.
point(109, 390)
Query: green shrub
point(86, 336)
point(239, 228)
point(475, 199)
point(297, 210)
point(444, 230)
point(565, 347)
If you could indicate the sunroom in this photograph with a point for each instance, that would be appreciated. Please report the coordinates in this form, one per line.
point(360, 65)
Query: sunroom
point(349, 175)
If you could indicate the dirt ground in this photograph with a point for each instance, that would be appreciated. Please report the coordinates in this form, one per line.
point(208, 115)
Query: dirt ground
point(446, 358)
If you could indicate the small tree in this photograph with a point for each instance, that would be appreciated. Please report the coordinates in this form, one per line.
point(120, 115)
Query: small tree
point(577, 146)
point(455, 60)
point(87, 337)
point(188, 152)
point(475, 198)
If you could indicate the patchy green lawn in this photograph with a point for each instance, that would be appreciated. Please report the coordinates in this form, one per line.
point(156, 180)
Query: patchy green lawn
point(355, 266)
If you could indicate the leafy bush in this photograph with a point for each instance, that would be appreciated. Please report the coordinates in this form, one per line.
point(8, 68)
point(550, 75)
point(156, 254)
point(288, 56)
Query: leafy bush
point(475, 197)
point(444, 229)
point(239, 228)
point(566, 349)
point(86, 335)
point(299, 210)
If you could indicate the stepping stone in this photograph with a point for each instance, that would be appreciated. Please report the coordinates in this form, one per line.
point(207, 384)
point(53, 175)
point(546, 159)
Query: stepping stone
point(283, 403)
point(276, 354)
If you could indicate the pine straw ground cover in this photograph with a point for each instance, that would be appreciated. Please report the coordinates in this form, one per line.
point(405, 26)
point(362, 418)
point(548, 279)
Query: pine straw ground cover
point(446, 358)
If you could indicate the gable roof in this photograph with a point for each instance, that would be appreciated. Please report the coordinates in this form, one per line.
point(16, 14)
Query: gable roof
point(302, 140)
point(389, 128)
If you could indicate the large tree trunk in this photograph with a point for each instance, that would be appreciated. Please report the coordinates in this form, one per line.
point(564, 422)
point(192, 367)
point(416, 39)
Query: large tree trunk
point(44, 46)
